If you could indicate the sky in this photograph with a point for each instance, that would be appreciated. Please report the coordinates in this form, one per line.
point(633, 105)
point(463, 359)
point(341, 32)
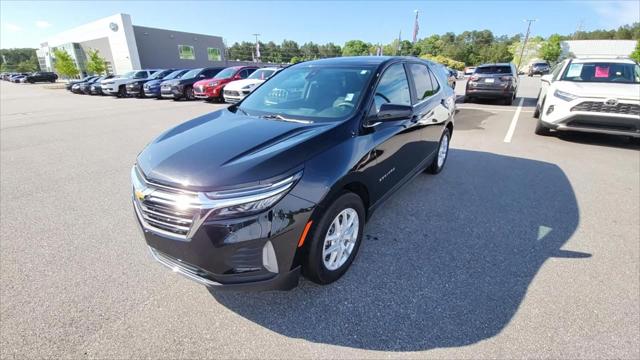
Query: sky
point(27, 24)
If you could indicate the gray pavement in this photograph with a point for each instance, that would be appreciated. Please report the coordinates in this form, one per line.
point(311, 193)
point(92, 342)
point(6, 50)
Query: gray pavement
point(527, 248)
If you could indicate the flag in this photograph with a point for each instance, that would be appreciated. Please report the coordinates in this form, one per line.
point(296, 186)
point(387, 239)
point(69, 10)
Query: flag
point(416, 27)
point(258, 50)
point(400, 40)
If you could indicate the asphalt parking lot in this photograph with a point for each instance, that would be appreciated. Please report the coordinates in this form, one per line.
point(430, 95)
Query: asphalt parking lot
point(524, 246)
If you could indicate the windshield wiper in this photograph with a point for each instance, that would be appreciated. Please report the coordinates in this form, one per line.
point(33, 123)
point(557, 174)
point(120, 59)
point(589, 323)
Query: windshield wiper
point(280, 117)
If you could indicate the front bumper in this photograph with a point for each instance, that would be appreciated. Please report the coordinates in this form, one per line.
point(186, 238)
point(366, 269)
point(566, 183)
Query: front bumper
point(152, 91)
point(255, 252)
point(110, 89)
point(133, 89)
point(234, 96)
point(206, 92)
point(567, 116)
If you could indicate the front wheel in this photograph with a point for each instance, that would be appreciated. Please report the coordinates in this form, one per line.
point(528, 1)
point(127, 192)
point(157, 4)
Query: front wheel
point(541, 129)
point(441, 156)
point(122, 92)
point(335, 240)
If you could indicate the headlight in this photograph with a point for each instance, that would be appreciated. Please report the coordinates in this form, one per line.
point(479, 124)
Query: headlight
point(213, 83)
point(564, 95)
point(250, 200)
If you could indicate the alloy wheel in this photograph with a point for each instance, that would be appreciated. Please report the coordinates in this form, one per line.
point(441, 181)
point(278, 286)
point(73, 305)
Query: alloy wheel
point(443, 150)
point(340, 239)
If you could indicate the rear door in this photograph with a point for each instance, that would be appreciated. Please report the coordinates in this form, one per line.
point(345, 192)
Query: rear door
point(430, 109)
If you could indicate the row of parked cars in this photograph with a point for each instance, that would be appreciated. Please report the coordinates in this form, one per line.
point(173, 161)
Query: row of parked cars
point(38, 76)
point(214, 84)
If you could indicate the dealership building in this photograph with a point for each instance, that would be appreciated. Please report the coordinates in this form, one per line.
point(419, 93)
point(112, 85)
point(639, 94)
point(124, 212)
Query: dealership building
point(127, 47)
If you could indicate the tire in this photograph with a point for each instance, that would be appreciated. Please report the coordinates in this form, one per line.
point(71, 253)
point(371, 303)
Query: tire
point(508, 101)
point(122, 92)
point(437, 165)
point(188, 93)
point(536, 112)
point(541, 129)
point(315, 267)
point(468, 99)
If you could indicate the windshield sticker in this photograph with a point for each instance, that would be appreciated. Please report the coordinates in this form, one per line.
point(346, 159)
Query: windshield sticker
point(574, 70)
point(349, 97)
point(602, 72)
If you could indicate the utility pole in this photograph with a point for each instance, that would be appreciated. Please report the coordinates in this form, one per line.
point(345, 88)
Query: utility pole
point(526, 38)
point(257, 47)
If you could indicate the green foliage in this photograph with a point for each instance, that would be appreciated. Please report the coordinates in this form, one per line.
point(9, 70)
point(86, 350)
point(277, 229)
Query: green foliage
point(64, 64)
point(355, 48)
point(550, 49)
point(625, 32)
point(295, 60)
point(19, 60)
point(635, 55)
point(96, 64)
point(457, 65)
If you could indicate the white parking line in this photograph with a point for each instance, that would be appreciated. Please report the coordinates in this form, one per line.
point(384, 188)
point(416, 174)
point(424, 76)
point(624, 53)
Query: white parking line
point(514, 122)
point(507, 109)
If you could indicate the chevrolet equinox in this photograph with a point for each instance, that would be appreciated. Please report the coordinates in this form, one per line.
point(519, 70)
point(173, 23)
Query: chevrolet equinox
point(281, 183)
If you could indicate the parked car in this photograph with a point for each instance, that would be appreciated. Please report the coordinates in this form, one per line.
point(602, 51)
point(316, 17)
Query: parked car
point(85, 87)
point(70, 83)
point(493, 81)
point(42, 76)
point(539, 68)
point(591, 95)
point(152, 87)
point(77, 87)
point(468, 71)
point(17, 77)
point(238, 89)
point(211, 89)
point(117, 85)
point(96, 88)
point(252, 195)
point(182, 88)
point(135, 87)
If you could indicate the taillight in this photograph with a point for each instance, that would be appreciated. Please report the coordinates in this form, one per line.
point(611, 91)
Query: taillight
point(474, 78)
point(506, 78)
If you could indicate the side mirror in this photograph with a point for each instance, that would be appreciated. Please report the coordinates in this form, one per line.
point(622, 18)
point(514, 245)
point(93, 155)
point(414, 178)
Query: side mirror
point(546, 78)
point(392, 112)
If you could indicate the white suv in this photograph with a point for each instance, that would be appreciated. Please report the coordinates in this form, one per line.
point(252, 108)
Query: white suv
point(117, 86)
point(591, 95)
point(237, 90)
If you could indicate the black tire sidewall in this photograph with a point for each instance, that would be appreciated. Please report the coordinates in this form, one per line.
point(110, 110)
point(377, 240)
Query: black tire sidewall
point(434, 168)
point(314, 268)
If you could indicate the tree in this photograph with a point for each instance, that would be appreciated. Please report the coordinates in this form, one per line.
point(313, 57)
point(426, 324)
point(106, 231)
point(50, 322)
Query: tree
point(310, 51)
point(26, 66)
point(290, 50)
point(355, 48)
point(635, 55)
point(64, 64)
point(550, 49)
point(96, 64)
point(329, 50)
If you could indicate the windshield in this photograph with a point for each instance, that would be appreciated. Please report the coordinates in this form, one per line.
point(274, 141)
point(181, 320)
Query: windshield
point(493, 70)
point(175, 74)
point(191, 74)
point(226, 73)
point(261, 74)
point(128, 75)
point(603, 72)
point(326, 93)
point(159, 74)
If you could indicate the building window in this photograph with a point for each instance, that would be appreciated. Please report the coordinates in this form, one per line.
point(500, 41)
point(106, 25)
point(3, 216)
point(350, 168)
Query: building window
point(214, 54)
point(186, 52)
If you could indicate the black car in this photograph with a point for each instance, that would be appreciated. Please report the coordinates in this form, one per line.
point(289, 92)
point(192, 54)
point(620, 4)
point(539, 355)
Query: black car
point(135, 87)
point(69, 84)
point(539, 68)
point(282, 183)
point(152, 87)
point(493, 81)
point(42, 76)
point(86, 87)
point(78, 88)
point(182, 88)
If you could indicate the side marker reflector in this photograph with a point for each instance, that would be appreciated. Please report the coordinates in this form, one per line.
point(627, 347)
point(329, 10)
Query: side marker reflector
point(304, 233)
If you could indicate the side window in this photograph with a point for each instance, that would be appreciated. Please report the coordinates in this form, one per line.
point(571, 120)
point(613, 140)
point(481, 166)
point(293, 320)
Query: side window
point(422, 79)
point(140, 75)
point(393, 87)
point(209, 73)
point(244, 74)
point(434, 82)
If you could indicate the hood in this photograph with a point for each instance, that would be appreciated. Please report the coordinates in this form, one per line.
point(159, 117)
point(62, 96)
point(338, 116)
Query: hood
point(239, 84)
point(155, 82)
point(601, 90)
point(224, 149)
point(171, 82)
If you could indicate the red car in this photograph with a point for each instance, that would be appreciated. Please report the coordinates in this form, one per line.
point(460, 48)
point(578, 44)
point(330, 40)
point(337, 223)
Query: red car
point(211, 89)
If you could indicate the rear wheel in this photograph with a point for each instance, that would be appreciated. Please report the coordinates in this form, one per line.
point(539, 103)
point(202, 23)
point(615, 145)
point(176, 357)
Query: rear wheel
point(336, 240)
point(441, 156)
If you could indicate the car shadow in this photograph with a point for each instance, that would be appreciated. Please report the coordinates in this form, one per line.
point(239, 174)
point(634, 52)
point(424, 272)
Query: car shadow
point(445, 262)
point(606, 140)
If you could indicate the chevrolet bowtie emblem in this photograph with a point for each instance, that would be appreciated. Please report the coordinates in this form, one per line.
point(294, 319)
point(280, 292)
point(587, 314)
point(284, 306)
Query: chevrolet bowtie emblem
point(139, 195)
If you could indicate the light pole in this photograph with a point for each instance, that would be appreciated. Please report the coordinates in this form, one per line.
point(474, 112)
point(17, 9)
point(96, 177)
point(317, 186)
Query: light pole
point(526, 38)
point(257, 48)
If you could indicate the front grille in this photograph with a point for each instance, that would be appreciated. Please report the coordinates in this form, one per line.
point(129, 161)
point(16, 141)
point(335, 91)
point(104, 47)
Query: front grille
point(165, 210)
point(601, 107)
point(231, 93)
